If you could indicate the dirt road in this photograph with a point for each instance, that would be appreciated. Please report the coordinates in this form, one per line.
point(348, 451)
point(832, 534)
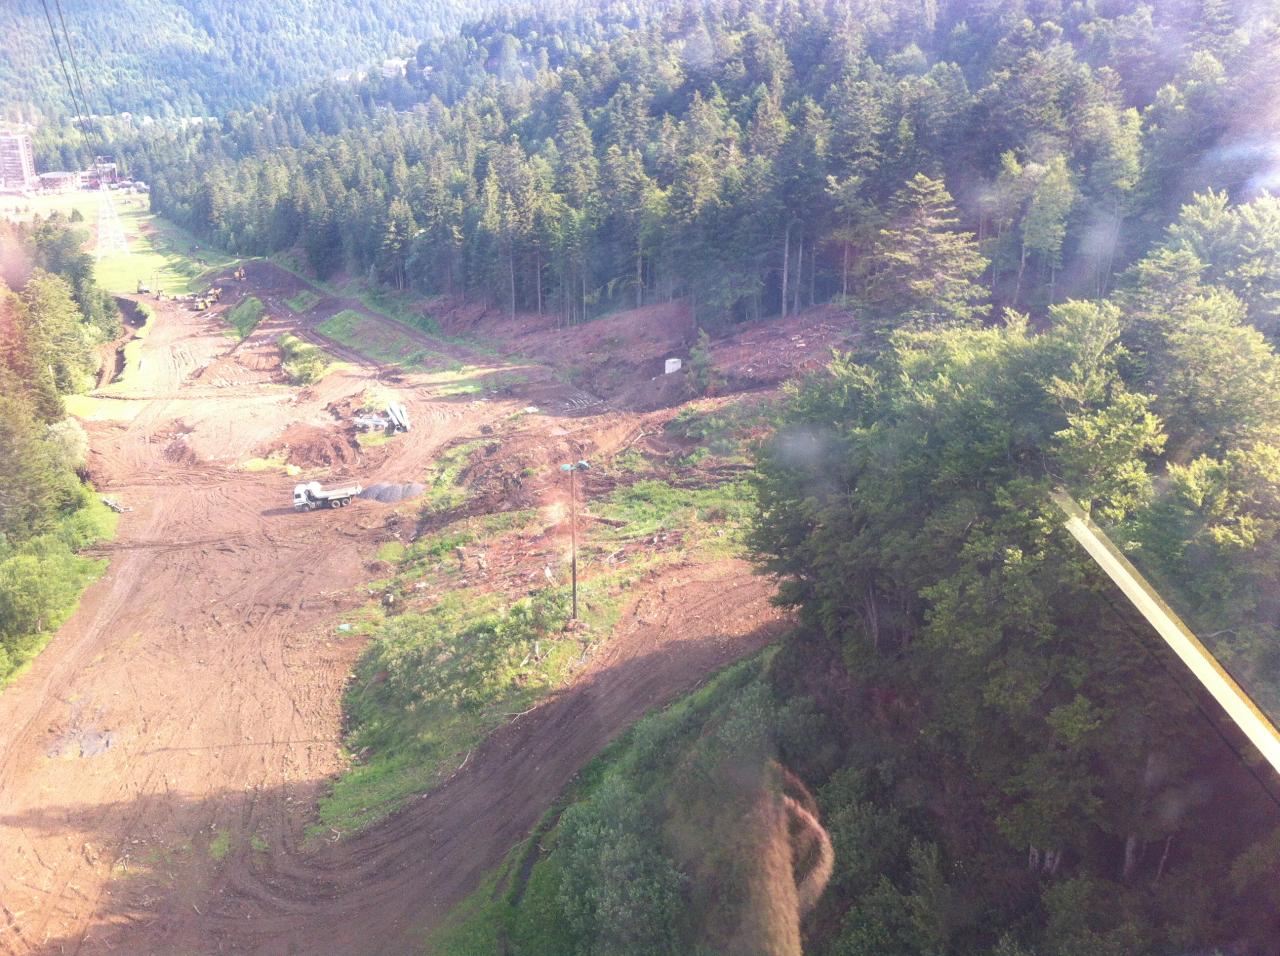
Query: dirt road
point(160, 760)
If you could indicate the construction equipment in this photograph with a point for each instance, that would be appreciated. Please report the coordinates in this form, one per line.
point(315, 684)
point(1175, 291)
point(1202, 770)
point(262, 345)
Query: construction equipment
point(399, 416)
point(310, 495)
point(239, 273)
point(397, 419)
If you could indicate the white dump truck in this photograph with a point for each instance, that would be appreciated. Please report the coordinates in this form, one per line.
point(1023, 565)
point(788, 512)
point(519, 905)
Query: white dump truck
point(310, 495)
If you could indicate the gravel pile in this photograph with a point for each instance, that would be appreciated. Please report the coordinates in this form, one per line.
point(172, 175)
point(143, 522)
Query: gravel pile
point(389, 492)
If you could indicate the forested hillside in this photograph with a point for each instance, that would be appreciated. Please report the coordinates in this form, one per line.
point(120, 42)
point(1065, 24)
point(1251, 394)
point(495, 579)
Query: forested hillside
point(52, 319)
point(174, 58)
point(745, 154)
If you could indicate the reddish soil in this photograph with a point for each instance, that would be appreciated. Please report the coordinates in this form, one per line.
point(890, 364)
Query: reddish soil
point(195, 694)
point(310, 446)
point(622, 357)
point(764, 354)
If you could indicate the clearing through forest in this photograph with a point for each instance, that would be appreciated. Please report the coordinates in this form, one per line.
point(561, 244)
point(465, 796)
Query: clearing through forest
point(163, 756)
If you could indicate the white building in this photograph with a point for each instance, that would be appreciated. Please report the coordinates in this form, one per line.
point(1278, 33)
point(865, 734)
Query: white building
point(17, 163)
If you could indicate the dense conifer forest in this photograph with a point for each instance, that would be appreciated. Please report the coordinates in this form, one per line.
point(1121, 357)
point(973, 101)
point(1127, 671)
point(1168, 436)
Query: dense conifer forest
point(749, 155)
point(179, 58)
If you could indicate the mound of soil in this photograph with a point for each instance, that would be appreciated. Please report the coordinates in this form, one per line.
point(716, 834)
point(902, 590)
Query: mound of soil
point(310, 447)
point(179, 452)
point(389, 492)
point(173, 441)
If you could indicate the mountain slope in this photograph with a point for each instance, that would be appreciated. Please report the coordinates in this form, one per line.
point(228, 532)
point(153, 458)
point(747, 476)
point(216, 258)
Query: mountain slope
point(198, 57)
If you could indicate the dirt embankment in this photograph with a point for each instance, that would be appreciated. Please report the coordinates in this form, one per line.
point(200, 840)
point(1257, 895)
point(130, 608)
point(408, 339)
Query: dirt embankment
point(162, 758)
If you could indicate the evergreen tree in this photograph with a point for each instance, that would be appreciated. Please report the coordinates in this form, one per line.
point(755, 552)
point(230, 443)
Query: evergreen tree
point(924, 268)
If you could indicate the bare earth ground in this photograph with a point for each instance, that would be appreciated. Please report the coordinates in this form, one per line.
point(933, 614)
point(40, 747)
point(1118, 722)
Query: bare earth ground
point(161, 758)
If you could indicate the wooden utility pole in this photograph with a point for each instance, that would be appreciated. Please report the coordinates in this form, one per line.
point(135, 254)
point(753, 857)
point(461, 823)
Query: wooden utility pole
point(573, 470)
point(573, 536)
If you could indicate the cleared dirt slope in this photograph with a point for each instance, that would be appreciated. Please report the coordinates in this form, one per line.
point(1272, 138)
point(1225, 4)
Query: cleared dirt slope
point(160, 760)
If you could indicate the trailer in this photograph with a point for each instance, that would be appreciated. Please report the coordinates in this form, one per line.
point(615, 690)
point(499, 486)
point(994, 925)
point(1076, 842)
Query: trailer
point(310, 495)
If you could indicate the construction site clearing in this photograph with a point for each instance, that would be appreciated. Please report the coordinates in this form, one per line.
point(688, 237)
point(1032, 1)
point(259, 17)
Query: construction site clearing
point(208, 666)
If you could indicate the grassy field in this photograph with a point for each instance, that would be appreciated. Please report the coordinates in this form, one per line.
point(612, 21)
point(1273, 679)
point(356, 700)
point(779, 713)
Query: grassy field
point(435, 682)
point(157, 252)
point(405, 307)
point(133, 350)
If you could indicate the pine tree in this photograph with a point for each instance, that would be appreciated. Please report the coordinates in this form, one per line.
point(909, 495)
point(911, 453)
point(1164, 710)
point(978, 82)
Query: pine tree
point(925, 269)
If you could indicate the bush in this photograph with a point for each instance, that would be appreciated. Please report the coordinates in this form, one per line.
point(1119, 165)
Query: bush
point(703, 377)
point(39, 586)
point(619, 893)
point(303, 363)
point(69, 444)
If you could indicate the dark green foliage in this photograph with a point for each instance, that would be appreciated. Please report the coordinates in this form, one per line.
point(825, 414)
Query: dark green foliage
point(167, 58)
point(925, 269)
point(619, 892)
point(702, 372)
point(1008, 719)
point(578, 160)
point(46, 513)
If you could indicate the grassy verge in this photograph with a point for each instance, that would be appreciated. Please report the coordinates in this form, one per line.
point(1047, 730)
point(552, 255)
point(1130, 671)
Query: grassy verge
point(713, 519)
point(244, 318)
point(445, 490)
point(276, 462)
point(405, 308)
point(133, 348)
point(372, 439)
point(92, 408)
point(474, 380)
point(725, 431)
